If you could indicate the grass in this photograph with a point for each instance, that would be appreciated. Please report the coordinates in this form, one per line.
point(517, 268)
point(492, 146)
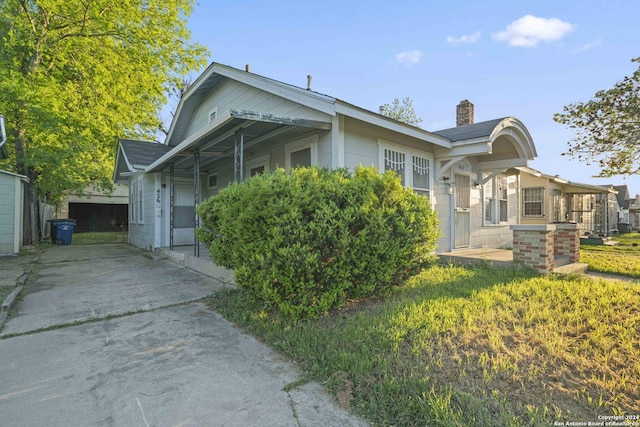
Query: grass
point(465, 347)
point(4, 292)
point(91, 238)
point(622, 259)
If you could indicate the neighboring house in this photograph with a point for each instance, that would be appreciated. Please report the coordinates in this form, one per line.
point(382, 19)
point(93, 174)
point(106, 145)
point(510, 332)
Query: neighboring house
point(232, 124)
point(623, 198)
point(608, 212)
point(548, 199)
point(93, 210)
point(11, 211)
point(634, 212)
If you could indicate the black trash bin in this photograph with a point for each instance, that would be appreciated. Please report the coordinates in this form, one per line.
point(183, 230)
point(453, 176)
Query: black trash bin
point(62, 231)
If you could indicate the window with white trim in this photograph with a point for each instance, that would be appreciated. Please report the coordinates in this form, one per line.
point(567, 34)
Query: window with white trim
point(496, 200)
point(302, 153)
point(533, 202)
point(257, 166)
point(212, 180)
point(414, 167)
point(136, 205)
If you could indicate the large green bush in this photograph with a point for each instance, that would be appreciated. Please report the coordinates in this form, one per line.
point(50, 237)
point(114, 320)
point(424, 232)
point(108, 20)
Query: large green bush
point(307, 241)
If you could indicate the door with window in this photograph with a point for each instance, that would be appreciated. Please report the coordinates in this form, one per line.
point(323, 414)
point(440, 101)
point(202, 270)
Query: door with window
point(462, 211)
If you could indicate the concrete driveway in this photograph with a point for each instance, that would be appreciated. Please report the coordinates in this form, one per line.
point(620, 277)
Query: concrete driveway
point(108, 336)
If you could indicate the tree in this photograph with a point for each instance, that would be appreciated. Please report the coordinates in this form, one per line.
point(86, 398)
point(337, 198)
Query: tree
point(607, 128)
point(403, 113)
point(77, 74)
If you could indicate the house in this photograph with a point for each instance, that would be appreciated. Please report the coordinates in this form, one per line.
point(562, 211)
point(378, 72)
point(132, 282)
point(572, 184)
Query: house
point(623, 199)
point(634, 212)
point(95, 210)
point(232, 124)
point(548, 199)
point(11, 211)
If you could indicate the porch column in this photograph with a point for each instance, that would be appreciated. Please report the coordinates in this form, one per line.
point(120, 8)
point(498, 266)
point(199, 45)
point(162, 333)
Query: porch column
point(533, 246)
point(196, 201)
point(238, 157)
point(171, 202)
point(567, 241)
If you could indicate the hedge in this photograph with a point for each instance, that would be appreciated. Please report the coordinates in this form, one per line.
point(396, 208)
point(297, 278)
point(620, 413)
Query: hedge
point(306, 242)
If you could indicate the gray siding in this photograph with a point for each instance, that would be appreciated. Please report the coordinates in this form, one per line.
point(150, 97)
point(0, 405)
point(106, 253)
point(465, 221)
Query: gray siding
point(10, 208)
point(231, 94)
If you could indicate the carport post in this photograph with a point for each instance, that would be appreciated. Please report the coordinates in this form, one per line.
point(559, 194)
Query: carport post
point(238, 175)
point(171, 200)
point(196, 199)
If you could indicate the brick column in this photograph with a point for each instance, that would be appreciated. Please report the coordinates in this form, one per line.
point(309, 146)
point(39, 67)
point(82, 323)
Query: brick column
point(567, 241)
point(533, 246)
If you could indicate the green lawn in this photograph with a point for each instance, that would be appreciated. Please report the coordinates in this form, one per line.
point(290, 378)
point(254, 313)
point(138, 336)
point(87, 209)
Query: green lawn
point(622, 259)
point(99, 238)
point(463, 347)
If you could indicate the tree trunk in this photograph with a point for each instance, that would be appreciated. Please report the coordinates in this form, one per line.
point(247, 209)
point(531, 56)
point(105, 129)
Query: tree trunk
point(30, 215)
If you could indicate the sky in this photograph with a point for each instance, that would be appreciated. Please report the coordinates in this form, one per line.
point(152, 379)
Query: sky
point(526, 59)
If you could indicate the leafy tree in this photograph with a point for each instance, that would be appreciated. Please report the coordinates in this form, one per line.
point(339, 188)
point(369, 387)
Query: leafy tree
point(77, 74)
point(608, 128)
point(402, 112)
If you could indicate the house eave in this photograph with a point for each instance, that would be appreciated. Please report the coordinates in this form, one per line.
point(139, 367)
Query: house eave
point(358, 113)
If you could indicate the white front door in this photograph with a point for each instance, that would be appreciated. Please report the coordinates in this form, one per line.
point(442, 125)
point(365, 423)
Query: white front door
point(462, 211)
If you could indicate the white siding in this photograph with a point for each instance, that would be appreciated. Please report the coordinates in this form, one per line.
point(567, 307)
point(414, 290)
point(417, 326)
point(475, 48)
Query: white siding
point(229, 94)
point(142, 235)
point(361, 143)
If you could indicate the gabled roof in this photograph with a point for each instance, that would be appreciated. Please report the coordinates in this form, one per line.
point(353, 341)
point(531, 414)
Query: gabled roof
point(133, 156)
point(139, 154)
point(623, 195)
point(472, 131)
point(315, 100)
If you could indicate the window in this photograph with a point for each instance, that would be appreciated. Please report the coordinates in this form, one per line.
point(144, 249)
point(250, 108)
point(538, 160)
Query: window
point(257, 166)
point(136, 206)
point(301, 153)
point(496, 200)
point(533, 202)
point(557, 205)
point(212, 181)
point(395, 161)
point(412, 166)
point(213, 114)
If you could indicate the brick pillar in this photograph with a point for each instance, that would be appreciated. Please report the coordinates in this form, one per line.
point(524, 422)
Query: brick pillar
point(533, 246)
point(567, 241)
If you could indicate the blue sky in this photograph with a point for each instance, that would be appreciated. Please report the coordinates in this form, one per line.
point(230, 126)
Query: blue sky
point(510, 58)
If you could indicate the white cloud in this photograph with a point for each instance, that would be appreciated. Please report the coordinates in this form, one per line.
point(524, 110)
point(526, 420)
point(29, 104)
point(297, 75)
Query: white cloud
point(409, 57)
point(464, 39)
point(529, 31)
point(588, 46)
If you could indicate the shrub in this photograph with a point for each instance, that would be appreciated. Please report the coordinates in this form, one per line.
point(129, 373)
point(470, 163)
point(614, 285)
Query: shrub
point(307, 241)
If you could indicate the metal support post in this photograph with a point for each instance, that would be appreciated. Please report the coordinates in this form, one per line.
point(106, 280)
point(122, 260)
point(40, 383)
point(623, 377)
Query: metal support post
point(196, 200)
point(171, 202)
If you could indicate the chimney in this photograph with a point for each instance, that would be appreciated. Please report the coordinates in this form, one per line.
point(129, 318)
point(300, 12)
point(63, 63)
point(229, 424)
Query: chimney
point(309, 82)
point(464, 113)
point(247, 68)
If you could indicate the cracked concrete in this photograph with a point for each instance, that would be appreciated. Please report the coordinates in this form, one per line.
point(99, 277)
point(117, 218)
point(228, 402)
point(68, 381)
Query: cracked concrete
point(174, 365)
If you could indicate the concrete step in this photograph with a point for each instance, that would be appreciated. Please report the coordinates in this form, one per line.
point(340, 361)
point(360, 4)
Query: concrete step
point(573, 268)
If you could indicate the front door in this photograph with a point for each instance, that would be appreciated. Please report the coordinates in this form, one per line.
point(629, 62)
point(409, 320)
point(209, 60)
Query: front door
point(462, 211)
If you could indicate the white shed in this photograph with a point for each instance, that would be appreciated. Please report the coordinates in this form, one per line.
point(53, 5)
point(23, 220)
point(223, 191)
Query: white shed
point(11, 202)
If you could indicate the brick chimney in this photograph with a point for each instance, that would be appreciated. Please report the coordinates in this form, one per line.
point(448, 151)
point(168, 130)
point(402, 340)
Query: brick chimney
point(464, 113)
